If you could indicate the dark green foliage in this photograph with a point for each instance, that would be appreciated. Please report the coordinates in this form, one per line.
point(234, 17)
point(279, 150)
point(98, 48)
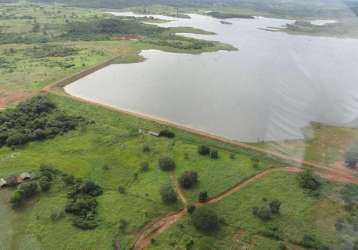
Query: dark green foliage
point(146, 149)
point(203, 150)
point(34, 120)
point(168, 194)
point(264, 213)
point(308, 181)
point(105, 28)
point(351, 158)
point(144, 166)
point(355, 246)
point(214, 154)
point(282, 246)
point(45, 184)
point(24, 192)
point(123, 224)
point(83, 205)
point(166, 133)
point(275, 206)
point(47, 171)
point(46, 51)
point(188, 179)
point(221, 15)
point(68, 179)
point(205, 219)
point(309, 241)
point(166, 164)
point(272, 232)
point(191, 208)
point(203, 197)
point(121, 189)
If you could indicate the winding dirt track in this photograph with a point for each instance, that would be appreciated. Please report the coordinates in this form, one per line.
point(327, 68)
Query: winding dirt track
point(158, 226)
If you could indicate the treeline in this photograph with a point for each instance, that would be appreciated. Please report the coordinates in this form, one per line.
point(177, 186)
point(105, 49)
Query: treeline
point(106, 28)
point(34, 120)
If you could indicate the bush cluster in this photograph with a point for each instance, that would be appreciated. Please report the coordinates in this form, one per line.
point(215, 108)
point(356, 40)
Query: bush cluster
point(205, 219)
point(34, 120)
point(166, 133)
point(308, 181)
point(188, 179)
point(24, 192)
point(83, 204)
point(166, 164)
point(168, 194)
point(266, 212)
point(206, 151)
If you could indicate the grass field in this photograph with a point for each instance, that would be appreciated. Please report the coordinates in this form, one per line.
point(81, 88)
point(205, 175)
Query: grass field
point(112, 141)
point(301, 214)
point(110, 151)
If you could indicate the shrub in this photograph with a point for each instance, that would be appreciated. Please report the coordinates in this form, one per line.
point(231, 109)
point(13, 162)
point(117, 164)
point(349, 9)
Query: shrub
point(45, 184)
point(232, 156)
point(308, 181)
point(203, 150)
point(90, 188)
point(29, 188)
point(188, 179)
point(121, 189)
point(205, 219)
point(168, 194)
point(144, 166)
point(214, 154)
point(191, 208)
point(146, 149)
point(123, 224)
point(264, 213)
point(68, 179)
point(166, 133)
point(310, 241)
point(203, 197)
point(17, 198)
point(275, 206)
point(166, 164)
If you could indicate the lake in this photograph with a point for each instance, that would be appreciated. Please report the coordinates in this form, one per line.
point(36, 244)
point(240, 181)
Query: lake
point(270, 89)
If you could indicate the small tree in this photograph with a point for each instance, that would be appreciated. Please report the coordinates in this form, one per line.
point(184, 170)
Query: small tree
point(144, 166)
point(166, 164)
point(188, 179)
point(203, 197)
point(205, 219)
point(308, 181)
point(191, 208)
point(264, 213)
point(203, 150)
point(166, 133)
point(17, 198)
point(45, 184)
point(275, 206)
point(214, 154)
point(168, 194)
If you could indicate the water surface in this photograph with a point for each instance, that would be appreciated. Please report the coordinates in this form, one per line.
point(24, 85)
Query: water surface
point(270, 89)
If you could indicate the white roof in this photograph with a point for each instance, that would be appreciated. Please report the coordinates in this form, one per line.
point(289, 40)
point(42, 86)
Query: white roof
point(2, 182)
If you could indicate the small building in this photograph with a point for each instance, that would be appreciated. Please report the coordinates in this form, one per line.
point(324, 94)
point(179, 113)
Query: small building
point(152, 133)
point(3, 183)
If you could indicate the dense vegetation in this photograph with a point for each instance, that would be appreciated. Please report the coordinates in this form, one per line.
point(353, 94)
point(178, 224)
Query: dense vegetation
point(222, 15)
point(34, 120)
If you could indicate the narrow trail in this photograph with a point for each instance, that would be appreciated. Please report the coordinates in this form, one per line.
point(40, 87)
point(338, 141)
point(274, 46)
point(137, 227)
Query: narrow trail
point(158, 226)
point(178, 189)
point(246, 182)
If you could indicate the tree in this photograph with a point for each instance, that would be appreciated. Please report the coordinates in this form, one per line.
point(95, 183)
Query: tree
point(264, 213)
point(351, 158)
point(45, 184)
point(275, 206)
point(191, 208)
point(214, 154)
point(166, 133)
point(17, 198)
point(168, 194)
point(308, 181)
point(205, 219)
point(188, 179)
point(91, 188)
point(166, 164)
point(203, 197)
point(203, 150)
